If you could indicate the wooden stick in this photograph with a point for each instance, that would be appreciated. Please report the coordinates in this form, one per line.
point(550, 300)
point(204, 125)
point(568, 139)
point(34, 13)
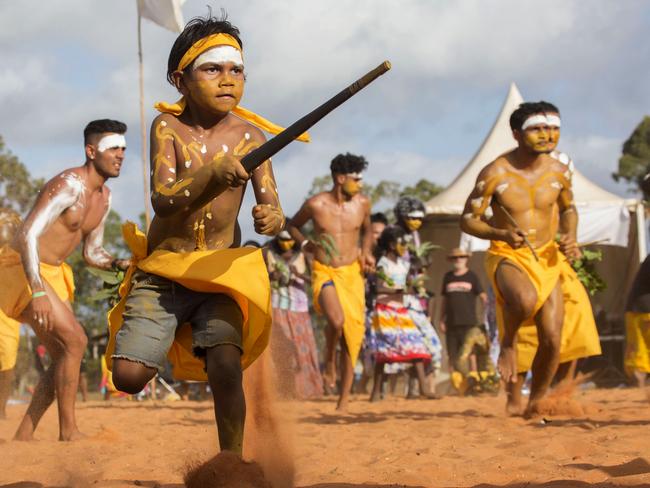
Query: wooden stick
point(255, 158)
point(513, 222)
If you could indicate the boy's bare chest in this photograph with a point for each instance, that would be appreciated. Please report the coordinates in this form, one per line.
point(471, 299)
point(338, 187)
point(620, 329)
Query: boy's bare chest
point(86, 214)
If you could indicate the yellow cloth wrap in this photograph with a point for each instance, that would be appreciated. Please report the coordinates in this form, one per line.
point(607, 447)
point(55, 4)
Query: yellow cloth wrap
point(350, 289)
point(239, 273)
point(579, 334)
point(637, 336)
point(192, 53)
point(16, 293)
point(9, 338)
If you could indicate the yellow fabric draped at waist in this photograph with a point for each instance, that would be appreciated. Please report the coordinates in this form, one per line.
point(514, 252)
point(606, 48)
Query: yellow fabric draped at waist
point(350, 290)
point(16, 293)
point(637, 348)
point(239, 273)
point(579, 334)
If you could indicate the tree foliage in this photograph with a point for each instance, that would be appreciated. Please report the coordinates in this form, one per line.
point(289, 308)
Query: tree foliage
point(18, 189)
point(386, 191)
point(634, 163)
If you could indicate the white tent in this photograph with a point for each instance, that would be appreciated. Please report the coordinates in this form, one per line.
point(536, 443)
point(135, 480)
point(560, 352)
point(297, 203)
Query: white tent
point(602, 215)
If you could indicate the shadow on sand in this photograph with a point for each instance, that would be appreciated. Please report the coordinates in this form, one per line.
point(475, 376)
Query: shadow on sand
point(374, 418)
point(563, 484)
point(101, 484)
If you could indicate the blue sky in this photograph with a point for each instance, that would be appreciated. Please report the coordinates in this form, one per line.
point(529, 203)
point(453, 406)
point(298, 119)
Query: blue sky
point(71, 61)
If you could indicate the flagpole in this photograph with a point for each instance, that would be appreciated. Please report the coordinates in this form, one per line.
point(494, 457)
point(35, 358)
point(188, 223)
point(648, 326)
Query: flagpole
point(145, 176)
point(143, 128)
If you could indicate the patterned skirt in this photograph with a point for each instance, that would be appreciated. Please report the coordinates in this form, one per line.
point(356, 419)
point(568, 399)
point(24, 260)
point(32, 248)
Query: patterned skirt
point(395, 337)
point(294, 353)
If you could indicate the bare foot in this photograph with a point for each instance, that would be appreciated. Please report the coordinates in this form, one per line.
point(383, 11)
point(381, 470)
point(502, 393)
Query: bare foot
point(430, 396)
point(23, 437)
point(375, 397)
point(532, 410)
point(75, 435)
point(507, 364)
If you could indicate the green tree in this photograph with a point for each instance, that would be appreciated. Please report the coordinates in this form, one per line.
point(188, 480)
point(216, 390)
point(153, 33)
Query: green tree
point(425, 190)
point(634, 164)
point(385, 191)
point(18, 189)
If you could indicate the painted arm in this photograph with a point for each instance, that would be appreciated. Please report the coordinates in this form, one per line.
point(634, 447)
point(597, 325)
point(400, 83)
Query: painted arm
point(267, 214)
point(473, 222)
point(568, 222)
point(171, 195)
point(55, 198)
point(94, 252)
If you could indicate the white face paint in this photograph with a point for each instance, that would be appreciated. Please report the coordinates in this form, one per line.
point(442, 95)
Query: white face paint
point(553, 120)
point(536, 119)
point(418, 214)
point(111, 141)
point(71, 189)
point(219, 55)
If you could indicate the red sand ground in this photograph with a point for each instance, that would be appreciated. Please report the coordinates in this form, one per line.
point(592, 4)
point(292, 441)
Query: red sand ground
point(455, 442)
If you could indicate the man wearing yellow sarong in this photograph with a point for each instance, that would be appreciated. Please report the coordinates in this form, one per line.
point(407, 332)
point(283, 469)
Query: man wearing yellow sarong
point(339, 217)
point(192, 293)
point(522, 189)
point(38, 286)
point(637, 326)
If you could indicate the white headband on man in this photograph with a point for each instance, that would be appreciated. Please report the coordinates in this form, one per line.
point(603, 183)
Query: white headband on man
point(219, 55)
point(541, 119)
point(111, 141)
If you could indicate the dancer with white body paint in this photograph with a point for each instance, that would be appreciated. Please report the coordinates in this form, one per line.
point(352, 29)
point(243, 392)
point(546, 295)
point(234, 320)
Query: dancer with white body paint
point(38, 285)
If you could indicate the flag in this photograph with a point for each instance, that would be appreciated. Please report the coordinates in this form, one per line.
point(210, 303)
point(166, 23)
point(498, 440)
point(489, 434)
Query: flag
point(165, 13)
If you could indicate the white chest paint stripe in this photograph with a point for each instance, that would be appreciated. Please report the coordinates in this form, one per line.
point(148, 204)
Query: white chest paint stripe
point(72, 189)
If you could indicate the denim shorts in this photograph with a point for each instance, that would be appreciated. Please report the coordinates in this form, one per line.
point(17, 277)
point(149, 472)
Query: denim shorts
point(154, 309)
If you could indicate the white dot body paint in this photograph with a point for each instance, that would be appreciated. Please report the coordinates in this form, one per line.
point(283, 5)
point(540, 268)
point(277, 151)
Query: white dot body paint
point(187, 193)
point(501, 188)
point(557, 185)
point(204, 149)
point(172, 170)
point(219, 55)
point(209, 215)
point(477, 202)
point(110, 141)
point(94, 251)
point(71, 190)
point(164, 124)
point(170, 180)
point(480, 185)
point(171, 201)
point(263, 190)
point(224, 148)
point(467, 216)
point(247, 136)
point(188, 163)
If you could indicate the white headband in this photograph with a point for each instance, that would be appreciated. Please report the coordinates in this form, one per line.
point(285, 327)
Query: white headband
point(219, 55)
point(553, 120)
point(541, 119)
point(111, 141)
point(418, 214)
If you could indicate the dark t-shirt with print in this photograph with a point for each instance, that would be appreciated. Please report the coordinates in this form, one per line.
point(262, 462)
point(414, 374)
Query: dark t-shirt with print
point(460, 294)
